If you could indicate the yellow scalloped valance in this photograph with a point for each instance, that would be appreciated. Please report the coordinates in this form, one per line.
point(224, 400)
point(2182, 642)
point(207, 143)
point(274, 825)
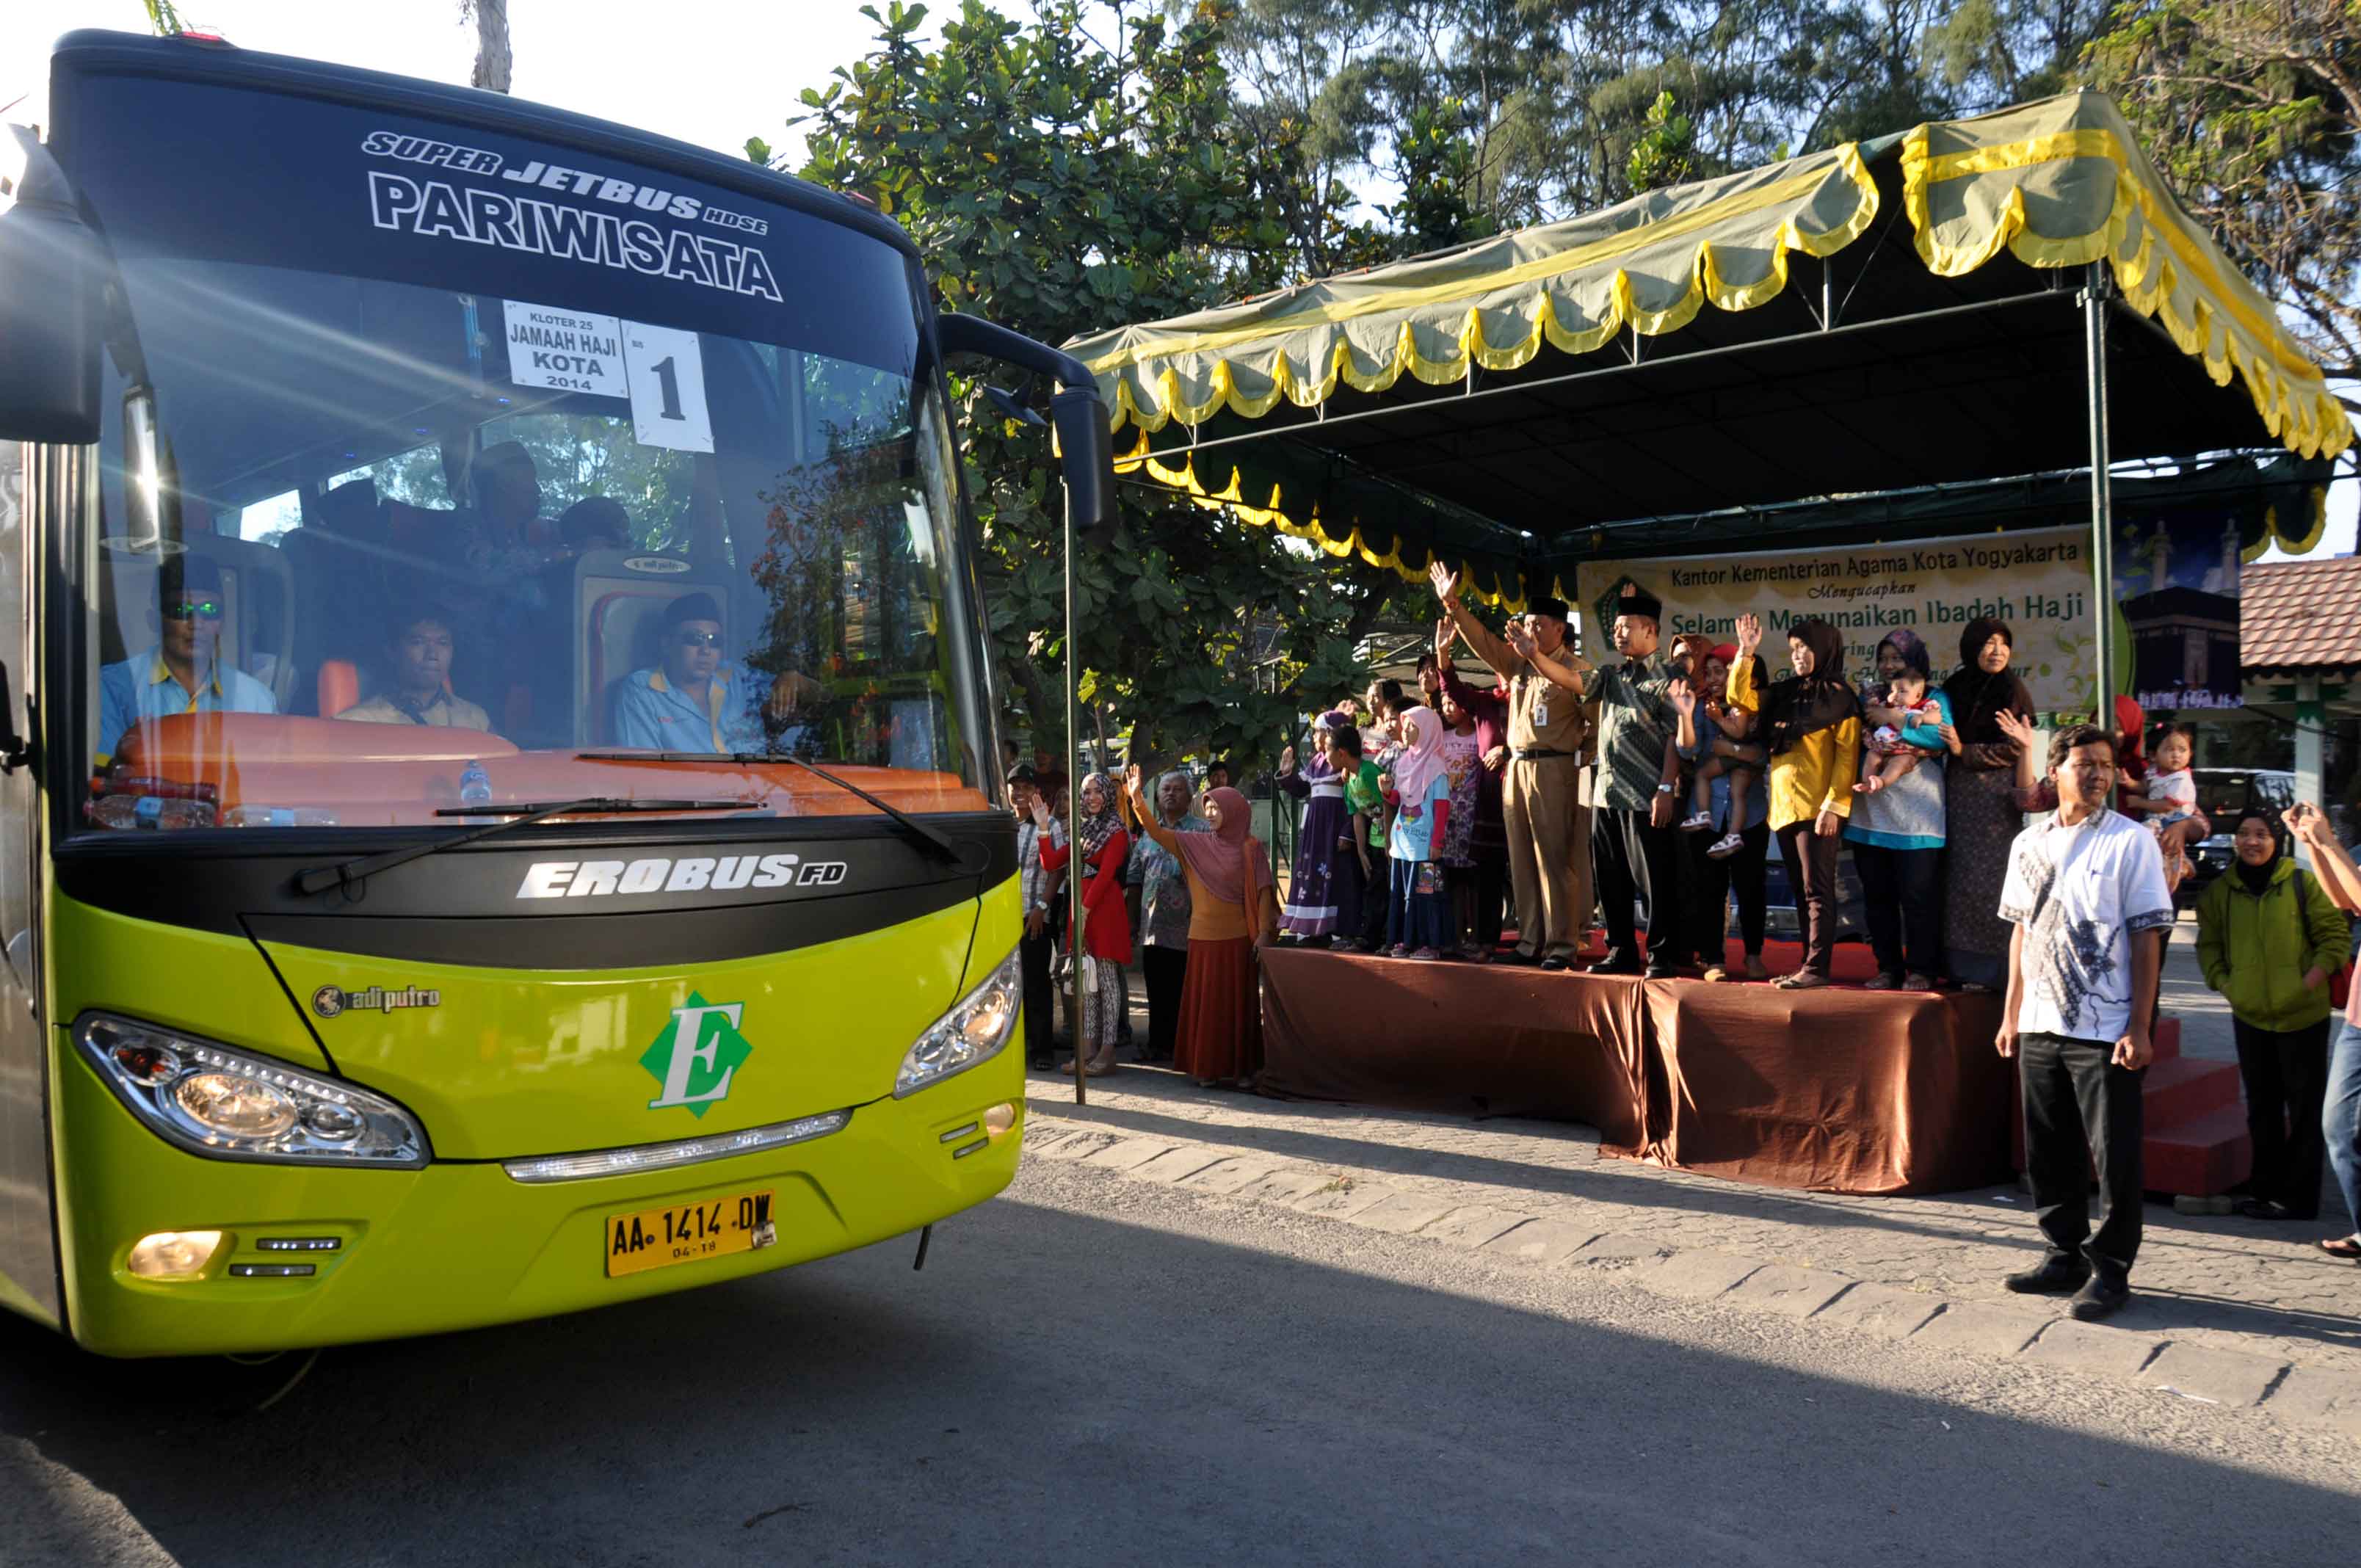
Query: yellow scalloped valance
point(2063, 182)
point(2057, 183)
point(1648, 265)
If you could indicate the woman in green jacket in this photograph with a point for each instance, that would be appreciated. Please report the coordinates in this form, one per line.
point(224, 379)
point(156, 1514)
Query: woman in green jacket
point(2269, 938)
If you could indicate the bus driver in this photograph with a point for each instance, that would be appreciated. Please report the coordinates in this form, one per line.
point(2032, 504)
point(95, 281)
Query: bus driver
point(418, 653)
point(694, 702)
point(181, 672)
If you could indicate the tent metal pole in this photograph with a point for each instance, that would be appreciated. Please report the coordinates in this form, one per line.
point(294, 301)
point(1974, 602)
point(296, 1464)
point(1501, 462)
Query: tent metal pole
point(1075, 946)
point(2095, 293)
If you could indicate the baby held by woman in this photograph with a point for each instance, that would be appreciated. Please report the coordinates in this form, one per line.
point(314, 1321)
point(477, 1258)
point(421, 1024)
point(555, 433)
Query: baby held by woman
point(1885, 757)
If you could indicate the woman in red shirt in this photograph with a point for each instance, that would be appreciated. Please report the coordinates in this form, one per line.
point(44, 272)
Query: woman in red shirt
point(1106, 946)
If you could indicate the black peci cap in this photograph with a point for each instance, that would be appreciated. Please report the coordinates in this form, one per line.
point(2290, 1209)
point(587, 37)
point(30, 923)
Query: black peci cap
point(1554, 608)
point(692, 607)
point(1637, 600)
point(187, 573)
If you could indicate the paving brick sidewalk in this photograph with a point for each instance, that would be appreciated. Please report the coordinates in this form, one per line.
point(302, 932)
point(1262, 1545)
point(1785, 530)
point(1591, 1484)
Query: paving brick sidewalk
point(2227, 1309)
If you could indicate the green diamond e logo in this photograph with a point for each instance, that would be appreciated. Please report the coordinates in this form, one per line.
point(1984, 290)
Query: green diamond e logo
point(697, 1054)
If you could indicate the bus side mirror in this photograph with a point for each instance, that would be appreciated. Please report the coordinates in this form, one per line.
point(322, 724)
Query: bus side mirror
point(51, 279)
point(1085, 443)
point(1086, 455)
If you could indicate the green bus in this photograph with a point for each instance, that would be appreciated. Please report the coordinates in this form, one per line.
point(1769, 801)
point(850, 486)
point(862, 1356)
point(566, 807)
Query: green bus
point(497, 754)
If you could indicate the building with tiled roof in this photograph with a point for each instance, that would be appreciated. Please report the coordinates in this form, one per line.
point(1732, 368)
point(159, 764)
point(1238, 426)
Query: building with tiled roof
point(2301, 616)
point(2300, 651)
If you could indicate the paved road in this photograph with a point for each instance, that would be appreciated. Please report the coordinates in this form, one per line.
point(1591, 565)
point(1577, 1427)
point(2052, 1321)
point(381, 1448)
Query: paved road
point(1098, 1371)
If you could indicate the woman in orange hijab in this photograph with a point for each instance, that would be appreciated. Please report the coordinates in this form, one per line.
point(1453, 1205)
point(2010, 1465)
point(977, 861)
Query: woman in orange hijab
point(1233, 911)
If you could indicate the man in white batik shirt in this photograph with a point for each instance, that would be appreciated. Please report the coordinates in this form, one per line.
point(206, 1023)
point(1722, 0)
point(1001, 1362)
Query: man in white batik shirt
point(2087, 896)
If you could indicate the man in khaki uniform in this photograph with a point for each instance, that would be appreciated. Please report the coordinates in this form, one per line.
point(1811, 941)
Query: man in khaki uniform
point(1541, 798)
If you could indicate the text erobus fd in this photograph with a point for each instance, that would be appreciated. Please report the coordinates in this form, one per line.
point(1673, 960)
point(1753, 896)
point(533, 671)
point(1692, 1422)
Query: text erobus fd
point(496, 766)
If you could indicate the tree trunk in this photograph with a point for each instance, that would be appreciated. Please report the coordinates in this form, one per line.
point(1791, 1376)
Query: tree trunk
point(493, 57)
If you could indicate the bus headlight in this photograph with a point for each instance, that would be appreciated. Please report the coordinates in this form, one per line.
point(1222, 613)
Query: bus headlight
point(972, 1033)
point(234, 1104)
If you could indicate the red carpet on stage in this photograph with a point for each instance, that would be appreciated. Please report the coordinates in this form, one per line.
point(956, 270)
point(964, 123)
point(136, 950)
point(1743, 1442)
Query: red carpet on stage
point(1837, 1090)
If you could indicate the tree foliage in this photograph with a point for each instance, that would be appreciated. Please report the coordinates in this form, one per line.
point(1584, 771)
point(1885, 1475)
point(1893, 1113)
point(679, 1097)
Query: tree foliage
point(1561, 106)
point(1195, 151)
point(1059, 184)
point(2252, 108)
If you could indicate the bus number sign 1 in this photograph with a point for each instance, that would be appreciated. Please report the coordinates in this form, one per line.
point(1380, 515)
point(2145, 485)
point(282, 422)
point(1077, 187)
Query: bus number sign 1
point(665, 369)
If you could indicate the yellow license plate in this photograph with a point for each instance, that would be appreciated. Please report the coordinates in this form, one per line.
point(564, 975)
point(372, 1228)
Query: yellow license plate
point(655, 1238)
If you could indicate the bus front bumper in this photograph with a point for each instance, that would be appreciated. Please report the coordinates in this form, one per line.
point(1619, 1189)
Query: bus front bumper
point(460, 1245)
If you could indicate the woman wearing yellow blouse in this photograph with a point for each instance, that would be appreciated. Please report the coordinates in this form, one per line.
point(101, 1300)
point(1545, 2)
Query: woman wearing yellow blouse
point(1811, 722)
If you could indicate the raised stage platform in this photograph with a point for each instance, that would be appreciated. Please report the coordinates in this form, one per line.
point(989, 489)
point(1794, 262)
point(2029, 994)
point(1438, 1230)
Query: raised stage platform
point(1839, 1090)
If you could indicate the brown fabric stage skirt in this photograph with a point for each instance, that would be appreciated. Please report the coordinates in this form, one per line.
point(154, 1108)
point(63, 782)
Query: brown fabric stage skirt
point(1837, 1090)
point(1221, 1011)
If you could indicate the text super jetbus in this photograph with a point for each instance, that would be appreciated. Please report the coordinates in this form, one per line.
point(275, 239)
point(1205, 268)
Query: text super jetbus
point(499, 773)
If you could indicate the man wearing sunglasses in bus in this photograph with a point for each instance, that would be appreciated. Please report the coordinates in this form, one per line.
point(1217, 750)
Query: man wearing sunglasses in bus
point(694, 702)
point(181, 672)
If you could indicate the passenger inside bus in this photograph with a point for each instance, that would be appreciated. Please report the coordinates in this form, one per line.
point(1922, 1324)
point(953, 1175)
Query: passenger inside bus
point(181, 670)
point(693, 702)
point(503, 532)
point(596, 522)
point(418, 663)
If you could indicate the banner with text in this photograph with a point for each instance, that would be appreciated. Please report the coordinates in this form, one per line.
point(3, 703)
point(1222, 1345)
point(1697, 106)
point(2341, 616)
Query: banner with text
point(2039, 581)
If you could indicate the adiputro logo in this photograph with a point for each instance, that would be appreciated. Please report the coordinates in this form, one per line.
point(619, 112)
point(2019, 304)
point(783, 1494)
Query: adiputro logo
point(697, 1054)
point(330, 1001)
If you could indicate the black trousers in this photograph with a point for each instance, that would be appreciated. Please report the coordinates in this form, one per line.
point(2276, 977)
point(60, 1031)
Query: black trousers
point(2286, 1083)
point(1811, 862)
point(1710, 882)
point(1902, 898)
point(1631, 859)
point(1165, 969)
point(1041, 1022)
point(1348, 888)
point(1491, 882)
point(2082, 1110)
point(1377, 894)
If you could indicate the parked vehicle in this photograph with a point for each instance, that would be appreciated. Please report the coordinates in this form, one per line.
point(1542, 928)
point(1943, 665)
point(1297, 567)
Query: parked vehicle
point(2223, 793)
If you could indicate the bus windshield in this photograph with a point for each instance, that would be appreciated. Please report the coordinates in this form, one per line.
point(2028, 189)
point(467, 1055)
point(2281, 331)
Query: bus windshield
point(473, 523)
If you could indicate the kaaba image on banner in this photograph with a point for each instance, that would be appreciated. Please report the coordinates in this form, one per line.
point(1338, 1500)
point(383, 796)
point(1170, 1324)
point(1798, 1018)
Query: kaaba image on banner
point(2177, 578)
point(2179, 552)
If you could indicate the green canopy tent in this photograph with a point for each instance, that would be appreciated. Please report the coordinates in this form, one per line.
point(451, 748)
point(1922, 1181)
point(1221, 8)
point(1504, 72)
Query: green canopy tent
point(1837, 325)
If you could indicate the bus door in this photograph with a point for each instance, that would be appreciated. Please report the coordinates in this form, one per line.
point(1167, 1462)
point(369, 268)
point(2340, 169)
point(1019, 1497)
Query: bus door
point(28, 1264)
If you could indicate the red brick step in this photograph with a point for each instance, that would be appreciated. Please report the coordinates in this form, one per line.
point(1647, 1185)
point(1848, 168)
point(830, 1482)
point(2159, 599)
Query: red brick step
point(2201, 1157)
point(2181, 1089)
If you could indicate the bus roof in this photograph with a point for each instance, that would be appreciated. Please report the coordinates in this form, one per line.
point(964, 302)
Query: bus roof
point(95, 53)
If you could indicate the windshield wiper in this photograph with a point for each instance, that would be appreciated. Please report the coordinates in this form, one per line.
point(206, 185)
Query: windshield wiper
point(350, 873)
point(931, 839)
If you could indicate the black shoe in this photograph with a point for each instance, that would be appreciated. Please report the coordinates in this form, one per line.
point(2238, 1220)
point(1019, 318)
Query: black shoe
point(2055, 1276)
point(1044, 1063)
point(2270, 1209)
point(1615, 963)
point(1664, 969)
point(1552, 963)
point(2098, 1299)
